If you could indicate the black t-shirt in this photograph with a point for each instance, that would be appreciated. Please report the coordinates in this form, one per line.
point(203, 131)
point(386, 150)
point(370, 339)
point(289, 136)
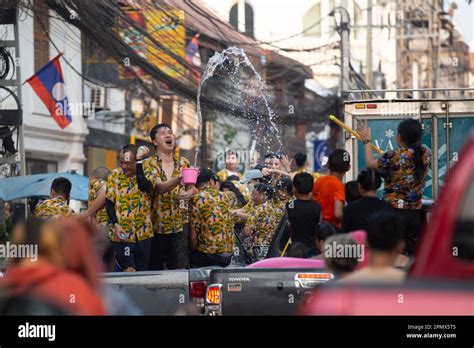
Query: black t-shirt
point(357, 213)
point(303, 217)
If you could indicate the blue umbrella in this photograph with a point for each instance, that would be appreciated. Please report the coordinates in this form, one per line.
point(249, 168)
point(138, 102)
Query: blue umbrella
point(39, 185)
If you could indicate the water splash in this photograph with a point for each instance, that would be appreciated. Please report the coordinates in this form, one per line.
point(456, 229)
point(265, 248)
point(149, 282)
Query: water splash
point(236, 57)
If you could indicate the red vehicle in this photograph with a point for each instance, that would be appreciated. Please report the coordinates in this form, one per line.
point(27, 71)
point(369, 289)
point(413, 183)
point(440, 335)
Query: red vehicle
point(441, 280)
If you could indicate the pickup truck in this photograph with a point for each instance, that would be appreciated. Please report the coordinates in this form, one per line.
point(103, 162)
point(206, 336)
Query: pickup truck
point(248, 290)
point(171, 292)
point(263, 291)
point(441, 279)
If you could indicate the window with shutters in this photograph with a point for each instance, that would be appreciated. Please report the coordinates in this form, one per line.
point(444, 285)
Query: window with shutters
point(249, 18)
point(166, 110)
point(41, 27)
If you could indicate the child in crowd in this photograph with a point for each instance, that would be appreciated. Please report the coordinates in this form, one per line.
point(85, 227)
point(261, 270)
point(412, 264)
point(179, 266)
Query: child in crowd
point(303, 212)
point(357, 213)
point(352, 191)
point(323, 230)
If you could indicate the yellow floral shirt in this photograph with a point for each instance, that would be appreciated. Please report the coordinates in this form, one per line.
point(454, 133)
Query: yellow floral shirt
point(263, 222)
point(53, 208)
point(211, 217)
point(249, 208)
point(223, 175)
point(132, 207)
point(101, 217)
point(280, 204)
point(169, 214)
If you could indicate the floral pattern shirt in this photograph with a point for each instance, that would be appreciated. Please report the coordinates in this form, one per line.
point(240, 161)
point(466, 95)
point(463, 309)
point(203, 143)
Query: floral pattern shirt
point(169, 214)
point(402, 189)
point(53, 208)
point(263, 222)
point(95, 186)
point(132, 207)
point(211, 217)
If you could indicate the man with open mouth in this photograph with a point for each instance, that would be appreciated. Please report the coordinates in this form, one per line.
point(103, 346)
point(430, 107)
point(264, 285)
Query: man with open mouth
point(161, 175)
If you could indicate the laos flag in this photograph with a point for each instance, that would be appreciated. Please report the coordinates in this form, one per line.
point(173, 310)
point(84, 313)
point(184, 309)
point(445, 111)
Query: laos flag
point(48, 83)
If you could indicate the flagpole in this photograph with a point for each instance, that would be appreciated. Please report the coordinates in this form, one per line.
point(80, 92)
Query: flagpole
point(21, 130)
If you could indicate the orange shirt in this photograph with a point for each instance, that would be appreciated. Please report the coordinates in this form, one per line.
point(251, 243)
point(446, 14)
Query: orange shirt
point(326, 190)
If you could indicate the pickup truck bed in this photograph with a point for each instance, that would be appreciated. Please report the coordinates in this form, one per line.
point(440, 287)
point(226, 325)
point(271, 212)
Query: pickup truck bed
point(160, 292)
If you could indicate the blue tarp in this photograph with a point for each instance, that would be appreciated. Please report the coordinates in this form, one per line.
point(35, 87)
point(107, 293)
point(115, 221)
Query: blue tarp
point(39, 185)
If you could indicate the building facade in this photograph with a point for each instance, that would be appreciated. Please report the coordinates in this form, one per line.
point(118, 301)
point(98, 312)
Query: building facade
point(48, 148)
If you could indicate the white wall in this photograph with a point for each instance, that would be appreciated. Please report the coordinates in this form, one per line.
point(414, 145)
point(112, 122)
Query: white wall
point(43, 137)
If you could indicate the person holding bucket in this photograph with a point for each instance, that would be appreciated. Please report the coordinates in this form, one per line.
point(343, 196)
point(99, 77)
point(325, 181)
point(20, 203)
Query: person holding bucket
point(171, 180)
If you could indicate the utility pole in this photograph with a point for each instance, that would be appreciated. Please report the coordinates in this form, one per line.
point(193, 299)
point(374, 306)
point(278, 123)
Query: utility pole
point(343, 30)
point(368, 72)
point(437, 39)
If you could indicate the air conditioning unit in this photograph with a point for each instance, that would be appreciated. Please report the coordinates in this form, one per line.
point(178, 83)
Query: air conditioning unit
point(98, 97)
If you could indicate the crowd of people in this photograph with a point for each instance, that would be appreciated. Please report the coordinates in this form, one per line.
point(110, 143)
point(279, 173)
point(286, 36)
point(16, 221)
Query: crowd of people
point(142, 216)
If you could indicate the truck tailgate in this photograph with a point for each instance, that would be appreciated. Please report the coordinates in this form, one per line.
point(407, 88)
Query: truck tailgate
point(262, 291)
point(155, 293)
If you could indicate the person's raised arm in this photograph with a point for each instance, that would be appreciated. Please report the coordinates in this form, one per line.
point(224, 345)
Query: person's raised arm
point(147, 185)
point(269, 171)
point(166, 186)
point(365, 133)
point(143, 183)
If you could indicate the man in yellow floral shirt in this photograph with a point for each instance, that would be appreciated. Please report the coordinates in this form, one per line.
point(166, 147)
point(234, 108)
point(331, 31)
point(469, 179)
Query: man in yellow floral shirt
point(57, 205)
point(211, 225)
point(161, 176)
point(129, 211)
point(96, 208)
point(261, 225)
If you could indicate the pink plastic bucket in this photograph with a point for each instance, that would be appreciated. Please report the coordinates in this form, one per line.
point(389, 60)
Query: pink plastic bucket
point(190, 175)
